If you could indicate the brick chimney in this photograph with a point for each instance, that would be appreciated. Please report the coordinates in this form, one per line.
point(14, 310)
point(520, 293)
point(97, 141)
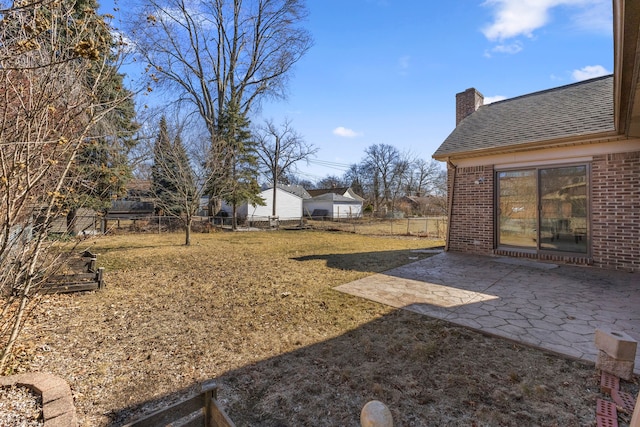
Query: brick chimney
point(467, 102)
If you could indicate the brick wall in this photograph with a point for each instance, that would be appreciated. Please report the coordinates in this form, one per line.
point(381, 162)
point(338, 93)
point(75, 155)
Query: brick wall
point(472, 215)
point(467, 102)
point(615, 211)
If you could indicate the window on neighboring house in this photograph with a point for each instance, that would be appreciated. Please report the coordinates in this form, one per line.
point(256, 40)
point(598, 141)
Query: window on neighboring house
point(544, 208)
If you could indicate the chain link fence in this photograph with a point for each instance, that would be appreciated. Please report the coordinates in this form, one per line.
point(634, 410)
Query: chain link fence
point(433, 227)
point(429, 227)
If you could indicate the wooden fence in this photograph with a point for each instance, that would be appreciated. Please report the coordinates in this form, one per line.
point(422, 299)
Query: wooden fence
point(199, 410)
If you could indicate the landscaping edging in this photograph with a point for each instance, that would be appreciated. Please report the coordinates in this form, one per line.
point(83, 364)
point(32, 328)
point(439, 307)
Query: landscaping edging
point(57, 402)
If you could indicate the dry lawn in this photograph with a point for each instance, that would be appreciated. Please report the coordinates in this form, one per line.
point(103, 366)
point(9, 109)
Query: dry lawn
point(257, 311)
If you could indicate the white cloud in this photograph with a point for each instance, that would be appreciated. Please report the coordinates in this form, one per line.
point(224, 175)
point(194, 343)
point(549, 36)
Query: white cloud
point(510, 49)
point(346, 132)
point(589, 72)
point(598, 17)
point(514, 18)
point(492, 99)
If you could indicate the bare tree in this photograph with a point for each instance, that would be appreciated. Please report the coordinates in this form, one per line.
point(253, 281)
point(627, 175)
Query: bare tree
point(47, 112)
point(279, 149)
point(221, 52)
point(423, 177)
point(356, 176)
point(331, 181)
point(180, 172)
point(382, 162)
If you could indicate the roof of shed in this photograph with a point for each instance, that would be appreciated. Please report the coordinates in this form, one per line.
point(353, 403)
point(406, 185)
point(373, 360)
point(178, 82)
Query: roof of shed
point(583, 108)
point(337, 198)
point(296, 190)
point(336, 190)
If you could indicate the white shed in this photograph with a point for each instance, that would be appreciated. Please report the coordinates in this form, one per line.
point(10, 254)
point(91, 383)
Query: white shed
point(333, 206)
point(289, 200)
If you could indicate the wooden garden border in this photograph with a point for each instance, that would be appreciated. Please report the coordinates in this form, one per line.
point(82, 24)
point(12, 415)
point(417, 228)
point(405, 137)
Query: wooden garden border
point(90, 279)
point(199, 410)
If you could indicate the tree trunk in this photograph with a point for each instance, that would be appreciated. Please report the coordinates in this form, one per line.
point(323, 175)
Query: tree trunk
point(215, 204)
point(234, 212)
point(273, 208)
point(187, 230)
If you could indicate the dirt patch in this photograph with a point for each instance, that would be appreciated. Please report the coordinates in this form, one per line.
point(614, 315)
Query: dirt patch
point(258, 312)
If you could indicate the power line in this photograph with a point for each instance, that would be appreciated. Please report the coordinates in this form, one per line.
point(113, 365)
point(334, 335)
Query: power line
point(343, 167)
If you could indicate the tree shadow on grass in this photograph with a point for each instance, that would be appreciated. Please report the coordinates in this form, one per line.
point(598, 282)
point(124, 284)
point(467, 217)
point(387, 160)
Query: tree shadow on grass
point(369, 261)
point(427, 371)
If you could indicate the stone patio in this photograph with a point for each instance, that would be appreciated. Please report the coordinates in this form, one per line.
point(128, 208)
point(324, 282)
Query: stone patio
point(554, 307)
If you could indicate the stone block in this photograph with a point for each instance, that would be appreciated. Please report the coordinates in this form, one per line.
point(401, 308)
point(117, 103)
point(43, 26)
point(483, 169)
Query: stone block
point(619, 368)
point(55, 408)
point(57, 401)
point(64, 420)
point(616, 344)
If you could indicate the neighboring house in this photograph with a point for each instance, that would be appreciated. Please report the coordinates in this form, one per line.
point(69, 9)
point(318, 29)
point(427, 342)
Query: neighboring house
point(289, 200)
point(138, 203)
point(140, 190)
point(553, 175)
point(203, 208)
point(333, 203)
point(130, 209)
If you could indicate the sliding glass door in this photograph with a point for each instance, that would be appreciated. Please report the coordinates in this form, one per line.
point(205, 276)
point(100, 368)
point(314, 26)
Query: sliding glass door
point(517, 208)
point(544, 208)
point(563, 213)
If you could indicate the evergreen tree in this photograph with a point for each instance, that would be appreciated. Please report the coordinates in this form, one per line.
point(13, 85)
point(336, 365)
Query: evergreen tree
point(184, 178)
point(241, 183)
point(163, 170)
point(173, 180)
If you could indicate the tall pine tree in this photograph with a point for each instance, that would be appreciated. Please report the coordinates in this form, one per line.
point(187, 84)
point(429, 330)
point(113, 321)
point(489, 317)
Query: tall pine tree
point(163, 170)
point(242, 183)
point(173, 180)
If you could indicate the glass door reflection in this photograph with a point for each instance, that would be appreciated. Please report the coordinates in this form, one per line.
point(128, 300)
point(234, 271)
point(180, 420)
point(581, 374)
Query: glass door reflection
point(563, 209)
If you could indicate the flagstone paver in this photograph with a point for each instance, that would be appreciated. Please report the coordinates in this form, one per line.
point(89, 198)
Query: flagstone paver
point(556, 307)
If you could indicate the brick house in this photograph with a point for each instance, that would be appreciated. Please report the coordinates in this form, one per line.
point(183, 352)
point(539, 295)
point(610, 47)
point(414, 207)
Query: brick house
point(553, 175)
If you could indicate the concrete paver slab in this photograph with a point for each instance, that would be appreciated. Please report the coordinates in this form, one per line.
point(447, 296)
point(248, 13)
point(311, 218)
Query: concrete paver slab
point(555, 307)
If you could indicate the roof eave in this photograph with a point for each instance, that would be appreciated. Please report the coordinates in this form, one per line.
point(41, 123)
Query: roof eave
point(535, 145)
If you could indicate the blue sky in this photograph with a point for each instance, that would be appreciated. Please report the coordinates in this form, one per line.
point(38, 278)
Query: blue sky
point(387, 71)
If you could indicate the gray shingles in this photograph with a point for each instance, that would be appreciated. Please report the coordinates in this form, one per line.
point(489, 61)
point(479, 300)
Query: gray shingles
point(582, 108)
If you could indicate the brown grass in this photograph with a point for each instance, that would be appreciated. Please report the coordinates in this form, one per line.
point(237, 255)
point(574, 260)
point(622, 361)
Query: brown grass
point(258, 312)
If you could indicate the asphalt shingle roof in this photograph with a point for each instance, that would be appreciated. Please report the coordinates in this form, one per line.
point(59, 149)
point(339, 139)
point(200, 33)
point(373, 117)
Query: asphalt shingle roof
point(582, 108)
point(319, 191)
point(337, 198)
point(297, 190)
